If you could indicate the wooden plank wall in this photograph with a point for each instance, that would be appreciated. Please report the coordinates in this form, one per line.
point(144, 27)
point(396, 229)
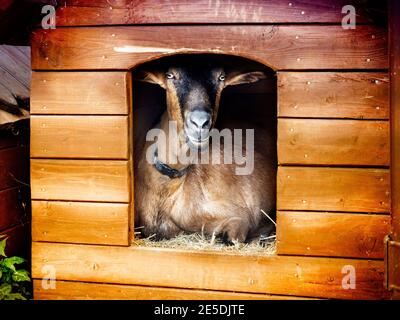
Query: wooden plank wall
point(333, 145)
point(333, 156)
point(72, 290)
point(80, 152)
point(281, 275)
point(106, 12)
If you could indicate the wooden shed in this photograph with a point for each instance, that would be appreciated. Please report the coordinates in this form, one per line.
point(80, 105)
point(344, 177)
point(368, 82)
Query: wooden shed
point(334, 191)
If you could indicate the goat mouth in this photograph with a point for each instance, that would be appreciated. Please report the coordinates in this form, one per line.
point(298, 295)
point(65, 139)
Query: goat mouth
point(198, 144)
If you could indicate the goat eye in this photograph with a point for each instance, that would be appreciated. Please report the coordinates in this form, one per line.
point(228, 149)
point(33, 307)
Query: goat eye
point(169, 75)
point(221, 77)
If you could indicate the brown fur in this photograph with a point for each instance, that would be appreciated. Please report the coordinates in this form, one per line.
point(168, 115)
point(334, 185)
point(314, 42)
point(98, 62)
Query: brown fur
point(209, 198)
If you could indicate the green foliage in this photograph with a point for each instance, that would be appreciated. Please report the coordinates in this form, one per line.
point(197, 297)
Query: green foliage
point(3, 245)
point(13, 281)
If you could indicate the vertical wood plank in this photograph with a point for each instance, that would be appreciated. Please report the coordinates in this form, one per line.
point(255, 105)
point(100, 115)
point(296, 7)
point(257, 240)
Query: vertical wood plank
point(394, 27)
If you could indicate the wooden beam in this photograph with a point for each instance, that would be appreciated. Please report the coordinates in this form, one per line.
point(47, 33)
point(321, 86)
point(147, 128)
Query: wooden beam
point(79, 93)
point(72, 290)
point(316, 47)
point(333, 95)
point(94, 137)
point(333, 189)
point(80, 180)
point(298, 276)
point(73, 13)
point(80, 222)
point(333, 142)
point(331, 234)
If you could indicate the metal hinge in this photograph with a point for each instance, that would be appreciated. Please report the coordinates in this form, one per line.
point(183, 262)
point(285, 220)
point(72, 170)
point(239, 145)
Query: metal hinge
point(390, 245)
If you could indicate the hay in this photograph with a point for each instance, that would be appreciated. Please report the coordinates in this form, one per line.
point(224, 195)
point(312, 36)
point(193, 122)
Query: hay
point(265, 245)
point(198, 242)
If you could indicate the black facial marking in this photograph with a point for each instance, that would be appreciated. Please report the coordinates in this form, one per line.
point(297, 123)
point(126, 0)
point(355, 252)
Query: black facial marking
point(196, 87)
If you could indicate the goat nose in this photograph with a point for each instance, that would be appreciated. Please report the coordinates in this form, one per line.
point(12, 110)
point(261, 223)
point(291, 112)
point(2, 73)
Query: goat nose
point(200, 119)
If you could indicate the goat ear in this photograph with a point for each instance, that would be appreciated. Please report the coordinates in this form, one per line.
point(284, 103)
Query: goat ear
point(155, 77)
point(247, 77)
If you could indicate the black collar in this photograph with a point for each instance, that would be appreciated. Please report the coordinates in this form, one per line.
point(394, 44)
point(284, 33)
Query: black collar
point(166, 170)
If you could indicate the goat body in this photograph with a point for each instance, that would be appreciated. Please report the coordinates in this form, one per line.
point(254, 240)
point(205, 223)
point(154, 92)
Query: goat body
point(209, 198)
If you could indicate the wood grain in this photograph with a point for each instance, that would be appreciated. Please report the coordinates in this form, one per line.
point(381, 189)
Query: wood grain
point(333, 142)
point(96, 137)
point(204, 11)
point(71, 290)
point(15, 72)
point(14, 167)
point(85, 180)
point(79, 93)
point(333, 95)
point(393, 272)
point(12, 210)
point(80, 222)
point(298, 276)
point(331, 234)
point(316, 47)
point(333, 189)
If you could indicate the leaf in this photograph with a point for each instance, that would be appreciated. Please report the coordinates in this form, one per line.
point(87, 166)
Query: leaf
point(14, 296)
point(3, 247)
point(21, 275)
point(6, 278)
point(5, 289)
point(10, 262)
point(1, 274)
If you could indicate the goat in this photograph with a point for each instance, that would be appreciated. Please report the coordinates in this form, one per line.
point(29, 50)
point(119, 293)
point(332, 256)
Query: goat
point(172, 198)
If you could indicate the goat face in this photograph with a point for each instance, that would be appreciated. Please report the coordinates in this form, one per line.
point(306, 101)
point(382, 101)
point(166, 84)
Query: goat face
point(196, 93)
point(193, 94)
